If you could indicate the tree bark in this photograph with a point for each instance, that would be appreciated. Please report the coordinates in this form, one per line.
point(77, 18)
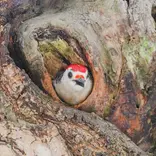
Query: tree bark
point(115, 40)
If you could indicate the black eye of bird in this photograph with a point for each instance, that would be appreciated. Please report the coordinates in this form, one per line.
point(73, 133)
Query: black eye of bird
point(70, 75)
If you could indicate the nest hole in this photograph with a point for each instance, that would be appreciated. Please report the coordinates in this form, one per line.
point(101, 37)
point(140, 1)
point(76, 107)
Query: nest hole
point(49, 41)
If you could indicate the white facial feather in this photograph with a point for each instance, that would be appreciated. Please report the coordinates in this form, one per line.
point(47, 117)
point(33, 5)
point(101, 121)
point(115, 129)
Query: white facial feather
point(70, 81)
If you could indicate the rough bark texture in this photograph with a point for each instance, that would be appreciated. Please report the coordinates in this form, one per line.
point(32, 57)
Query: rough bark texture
point(115, 40)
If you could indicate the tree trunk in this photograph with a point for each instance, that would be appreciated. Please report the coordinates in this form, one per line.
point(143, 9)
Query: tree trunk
point(115, 39)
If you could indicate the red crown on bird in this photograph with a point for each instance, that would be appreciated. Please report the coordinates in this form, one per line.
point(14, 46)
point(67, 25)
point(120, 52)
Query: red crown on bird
point(77, 67)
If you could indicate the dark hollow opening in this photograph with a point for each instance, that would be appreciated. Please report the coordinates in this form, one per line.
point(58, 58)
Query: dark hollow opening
point(153, 13)
point(20, 60)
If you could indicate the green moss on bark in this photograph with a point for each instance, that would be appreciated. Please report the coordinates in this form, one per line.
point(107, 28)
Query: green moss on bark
point(138, 56)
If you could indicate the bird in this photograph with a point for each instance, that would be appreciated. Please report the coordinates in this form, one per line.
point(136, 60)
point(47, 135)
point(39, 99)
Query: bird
point(73, 84)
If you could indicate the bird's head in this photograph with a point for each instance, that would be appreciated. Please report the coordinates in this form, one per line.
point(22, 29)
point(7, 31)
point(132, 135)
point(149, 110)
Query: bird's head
point(73, 84)
point(76, 75)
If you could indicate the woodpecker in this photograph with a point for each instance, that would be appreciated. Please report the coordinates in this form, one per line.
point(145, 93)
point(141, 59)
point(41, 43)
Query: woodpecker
point(73, 84)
